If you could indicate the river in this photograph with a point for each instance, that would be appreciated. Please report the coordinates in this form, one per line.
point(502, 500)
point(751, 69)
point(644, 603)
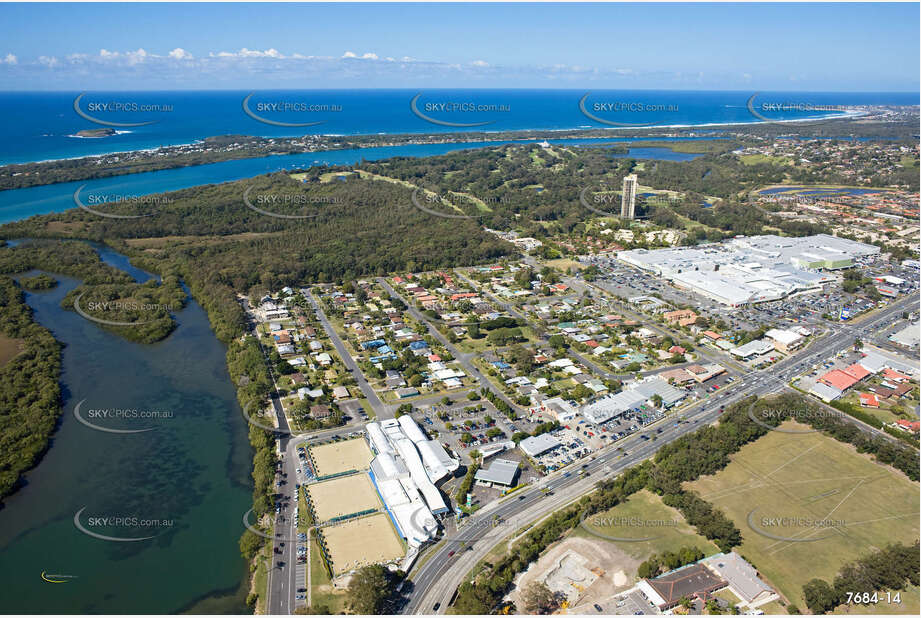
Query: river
point(16, 204)
point(184, 482)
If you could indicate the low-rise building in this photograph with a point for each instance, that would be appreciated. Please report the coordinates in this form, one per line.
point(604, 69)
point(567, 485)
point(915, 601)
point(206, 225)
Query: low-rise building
point(538, 445)
point(784, 340)
point(758, 347)
point(501, 472)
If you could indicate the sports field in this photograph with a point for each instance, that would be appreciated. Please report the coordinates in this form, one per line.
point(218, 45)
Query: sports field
point(644, 516)
point(363, 541)
point(341, 456)
point(343, 496)
point(807, 504)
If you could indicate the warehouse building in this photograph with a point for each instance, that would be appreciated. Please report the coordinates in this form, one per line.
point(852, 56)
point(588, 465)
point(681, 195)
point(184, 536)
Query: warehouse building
point(640, 394)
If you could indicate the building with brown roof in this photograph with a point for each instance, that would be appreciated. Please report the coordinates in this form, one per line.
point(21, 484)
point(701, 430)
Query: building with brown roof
point(694, 581)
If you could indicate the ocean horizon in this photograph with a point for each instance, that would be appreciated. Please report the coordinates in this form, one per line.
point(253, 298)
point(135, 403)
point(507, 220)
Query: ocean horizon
point(44, 126)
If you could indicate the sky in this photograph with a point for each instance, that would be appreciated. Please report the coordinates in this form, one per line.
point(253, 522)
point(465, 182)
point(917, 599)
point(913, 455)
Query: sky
point(785, 47)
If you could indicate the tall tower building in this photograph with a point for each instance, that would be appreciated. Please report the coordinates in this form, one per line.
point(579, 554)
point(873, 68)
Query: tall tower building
point(628, 199)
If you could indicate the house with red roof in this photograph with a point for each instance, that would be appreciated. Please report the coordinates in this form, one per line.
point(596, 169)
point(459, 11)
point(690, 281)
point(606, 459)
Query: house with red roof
point(869, 400)
point(895, 376)
point(912, 426)
point(838, 379)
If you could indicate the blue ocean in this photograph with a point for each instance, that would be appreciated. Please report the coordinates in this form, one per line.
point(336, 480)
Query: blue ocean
point(39, 126)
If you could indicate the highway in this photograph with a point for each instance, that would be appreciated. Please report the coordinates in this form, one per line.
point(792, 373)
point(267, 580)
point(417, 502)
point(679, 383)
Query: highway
point(436, 580)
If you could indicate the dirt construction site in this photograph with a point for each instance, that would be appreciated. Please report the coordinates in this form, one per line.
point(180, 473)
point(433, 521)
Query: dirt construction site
point(582, 571)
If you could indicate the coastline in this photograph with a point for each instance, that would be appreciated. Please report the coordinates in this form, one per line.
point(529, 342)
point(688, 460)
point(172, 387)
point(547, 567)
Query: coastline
point(849, 114)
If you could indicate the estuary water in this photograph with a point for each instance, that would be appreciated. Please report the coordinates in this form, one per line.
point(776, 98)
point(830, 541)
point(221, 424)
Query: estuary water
point(144, 522)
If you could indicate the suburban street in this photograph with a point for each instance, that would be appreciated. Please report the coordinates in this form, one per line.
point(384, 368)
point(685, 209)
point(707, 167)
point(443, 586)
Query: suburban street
point(462, 357)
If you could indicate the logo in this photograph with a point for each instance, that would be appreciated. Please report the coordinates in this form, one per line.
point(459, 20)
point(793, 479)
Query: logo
point(418, 203)
point(133, 199)
point(256, 423)
point(456, 107)
point(285, 106)
point(114, 305)
point(113, 107)
point(283, 199)
point(591, 526)
point(622, 107)
point(118, 521)
point(799, 106)
point(57, 579)
point(258, 532)
point(804, 414)
point(109, 413)
point(804, 524)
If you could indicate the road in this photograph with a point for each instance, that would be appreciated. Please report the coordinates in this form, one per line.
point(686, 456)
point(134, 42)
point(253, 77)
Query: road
point(437, 579)
point(462, 357)
point(380, 409)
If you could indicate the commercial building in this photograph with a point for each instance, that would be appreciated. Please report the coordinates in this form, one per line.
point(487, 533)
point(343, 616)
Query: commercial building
point(784, 340)
point(758, 347)
point(538, 445)
point(640, 394)
point(500, 472)
point(908, 336)
point(754, 269)
point(561, 409)
point(628, 198)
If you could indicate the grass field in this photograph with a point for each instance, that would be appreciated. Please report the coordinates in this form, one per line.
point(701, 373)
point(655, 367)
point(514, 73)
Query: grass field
point(363, 541)
point(341, 456)
point(640, 517)
point(343, 496)
point(9, 349)
point(806, 478)
point(755, 159)
point(322, 591)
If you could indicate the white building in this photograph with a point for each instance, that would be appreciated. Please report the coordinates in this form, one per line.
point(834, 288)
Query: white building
point(405, 469)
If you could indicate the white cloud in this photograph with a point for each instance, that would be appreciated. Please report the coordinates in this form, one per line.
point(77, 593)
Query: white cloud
point(180, 54)
point(480, 63)
point(366, 56)
point(9, 59)
point(49, 61)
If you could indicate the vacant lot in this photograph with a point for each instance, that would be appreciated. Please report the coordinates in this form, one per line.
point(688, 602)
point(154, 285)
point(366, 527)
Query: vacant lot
point(343, 496)
point(806, 504)
point(9, 348)
point(341, 456)
point(643, 526)
point(584, 569)
point(359, 542)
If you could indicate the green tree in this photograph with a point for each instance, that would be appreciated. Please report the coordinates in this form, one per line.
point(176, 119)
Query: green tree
point(369, 589)
point(820, 597)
